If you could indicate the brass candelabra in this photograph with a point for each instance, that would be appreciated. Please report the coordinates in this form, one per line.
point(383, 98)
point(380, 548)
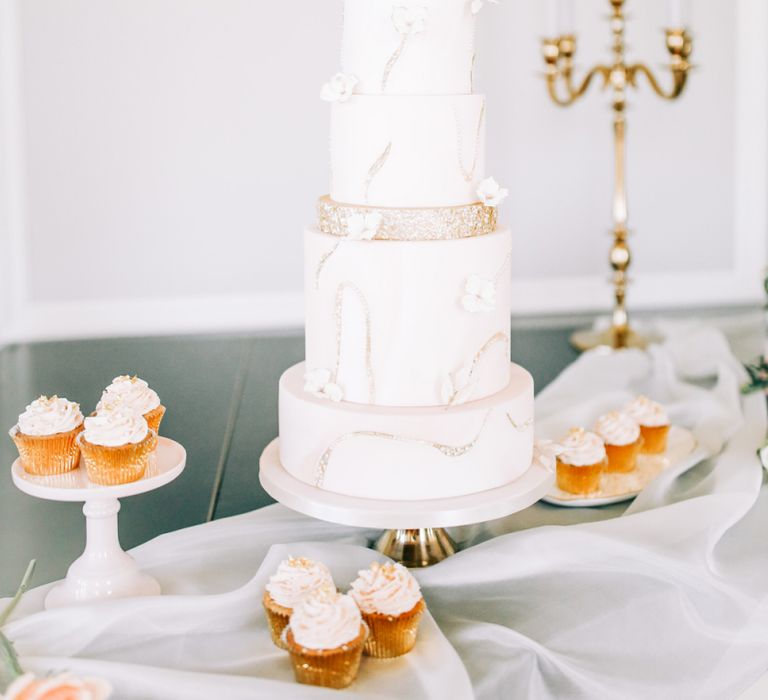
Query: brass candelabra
point(618, 75)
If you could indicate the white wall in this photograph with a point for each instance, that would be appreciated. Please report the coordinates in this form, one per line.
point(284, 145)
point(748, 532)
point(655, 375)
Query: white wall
point(167, 153)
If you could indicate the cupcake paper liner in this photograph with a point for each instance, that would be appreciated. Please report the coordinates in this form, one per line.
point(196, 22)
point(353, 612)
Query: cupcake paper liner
point(277, 618)
point(47, 455)
point(582, 480)
point(123, 464)
point(391, 635)
point(654, 438)
point(330, 668)
point(154, 417)
point(623, 458)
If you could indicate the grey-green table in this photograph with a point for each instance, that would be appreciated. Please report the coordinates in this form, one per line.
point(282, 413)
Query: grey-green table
point(221, 395)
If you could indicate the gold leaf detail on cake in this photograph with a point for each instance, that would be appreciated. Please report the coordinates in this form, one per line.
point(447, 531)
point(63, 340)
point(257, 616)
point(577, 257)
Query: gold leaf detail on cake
point(344, 286)
point(469, 174)
point(394, 58)
point(375, 168)
point(447, 450)
point(520, 427)
point(507, 260)
point(410, 224)
point(321, 263)
point(458, 386)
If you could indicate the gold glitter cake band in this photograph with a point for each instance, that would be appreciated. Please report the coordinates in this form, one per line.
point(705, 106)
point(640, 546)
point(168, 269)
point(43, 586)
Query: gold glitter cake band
point(434, 224)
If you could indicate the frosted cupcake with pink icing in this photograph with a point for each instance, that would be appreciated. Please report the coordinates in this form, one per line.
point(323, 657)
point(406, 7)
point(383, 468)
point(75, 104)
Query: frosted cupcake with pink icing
point(46, 436)
point(325, 639)
point(392, 606)
point(621, 435)
point(581, 459)
point(654, 423)
point(294, 580)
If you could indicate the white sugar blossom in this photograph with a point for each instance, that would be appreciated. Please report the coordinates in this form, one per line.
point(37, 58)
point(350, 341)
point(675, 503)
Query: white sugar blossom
point(363, 227)
point(339, 88)
point(459, 386)
point(763, 452)
point(476, 5)
point(479, 294)
point(490, 193)
point(409, 17)
point(318, 382)
point(545, 453)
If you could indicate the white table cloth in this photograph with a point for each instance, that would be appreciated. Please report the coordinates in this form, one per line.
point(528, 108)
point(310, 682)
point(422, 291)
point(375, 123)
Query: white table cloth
point(667, 601)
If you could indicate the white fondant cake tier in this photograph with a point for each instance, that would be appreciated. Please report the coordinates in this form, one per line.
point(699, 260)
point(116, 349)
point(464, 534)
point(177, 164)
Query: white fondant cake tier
point(434, 61)
point(407, 151)
point(406, 453)
point(409, 323)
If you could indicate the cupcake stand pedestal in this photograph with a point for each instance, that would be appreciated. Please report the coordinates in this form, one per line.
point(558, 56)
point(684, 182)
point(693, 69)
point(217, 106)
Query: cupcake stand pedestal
point(415, 534)
point(104, 570)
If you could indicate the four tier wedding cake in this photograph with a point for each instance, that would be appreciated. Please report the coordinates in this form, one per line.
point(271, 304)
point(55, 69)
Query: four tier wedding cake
point(407, 391)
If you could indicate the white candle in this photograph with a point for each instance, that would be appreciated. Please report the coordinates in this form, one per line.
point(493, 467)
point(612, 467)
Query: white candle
point(565, 17)
point(551, 19)
point(677, 14)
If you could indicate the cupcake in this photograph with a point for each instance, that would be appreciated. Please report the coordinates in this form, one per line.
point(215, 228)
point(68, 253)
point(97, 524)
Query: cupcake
point(391, 603)
point(116, 446)
point(134, 394)
point(621, 435)
point(46, 435)
point(654, 423)
point(580, 462)
point(294, 579)
point(325, 639)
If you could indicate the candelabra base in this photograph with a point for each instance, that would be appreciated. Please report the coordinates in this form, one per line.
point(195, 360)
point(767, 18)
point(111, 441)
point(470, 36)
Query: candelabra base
point(588, 339)
point(416, 548)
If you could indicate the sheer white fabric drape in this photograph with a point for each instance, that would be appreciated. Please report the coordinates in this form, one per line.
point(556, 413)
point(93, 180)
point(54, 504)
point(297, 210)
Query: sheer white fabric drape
point(666, 601)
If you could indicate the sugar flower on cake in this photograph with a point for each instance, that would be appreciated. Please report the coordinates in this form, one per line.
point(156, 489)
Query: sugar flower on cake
point(459, 386)
point(476, 5)
point(363, 227)
point(545, 454)
point(490, 193)
point(318, 382)
point(409, 17)
point(339, 88)
point(479, 294)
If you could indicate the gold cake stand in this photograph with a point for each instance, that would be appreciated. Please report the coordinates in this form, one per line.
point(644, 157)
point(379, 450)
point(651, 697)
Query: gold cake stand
point(416, 548)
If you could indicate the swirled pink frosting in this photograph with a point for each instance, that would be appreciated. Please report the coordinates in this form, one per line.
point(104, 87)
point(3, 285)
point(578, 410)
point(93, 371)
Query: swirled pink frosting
point(296, 578)
point(580, 448)
point(648, 413)
point(385, 588)
point(617, 428)
point(325, 619)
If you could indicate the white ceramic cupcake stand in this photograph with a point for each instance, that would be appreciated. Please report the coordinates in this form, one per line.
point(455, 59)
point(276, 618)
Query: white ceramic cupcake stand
point(415, 533)
point(104, 570)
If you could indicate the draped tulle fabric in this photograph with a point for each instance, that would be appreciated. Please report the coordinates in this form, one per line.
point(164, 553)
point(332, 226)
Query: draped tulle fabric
point(667, 600)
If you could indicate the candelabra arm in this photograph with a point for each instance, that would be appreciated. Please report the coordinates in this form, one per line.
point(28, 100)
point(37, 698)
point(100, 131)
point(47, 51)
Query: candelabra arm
point(574, 92)
point(679, 80)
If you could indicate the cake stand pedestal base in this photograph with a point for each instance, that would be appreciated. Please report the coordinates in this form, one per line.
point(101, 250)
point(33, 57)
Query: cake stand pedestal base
point(414, 534)
point(104, 570)
point(418, 547)
point(588, 339)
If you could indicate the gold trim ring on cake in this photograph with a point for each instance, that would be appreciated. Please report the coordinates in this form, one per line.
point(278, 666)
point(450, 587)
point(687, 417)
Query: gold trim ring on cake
point(109, 466)
point(412, 224)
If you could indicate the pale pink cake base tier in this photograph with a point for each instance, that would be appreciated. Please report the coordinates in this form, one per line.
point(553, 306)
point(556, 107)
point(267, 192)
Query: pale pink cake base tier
point(406, 453)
